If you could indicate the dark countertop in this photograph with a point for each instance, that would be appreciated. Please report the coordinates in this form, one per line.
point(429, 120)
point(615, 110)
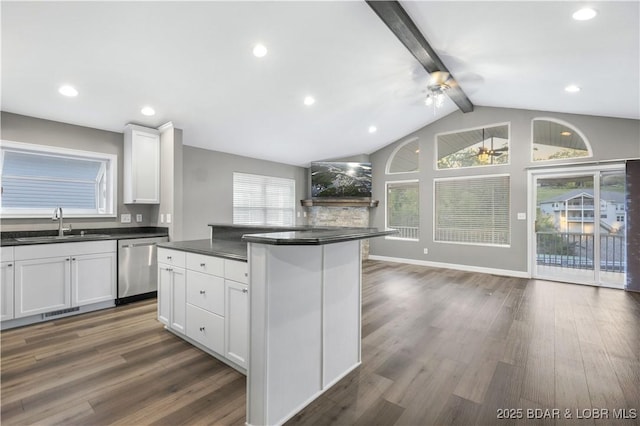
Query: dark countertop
point(234, 250)
point(315, 236)
point(94, 234)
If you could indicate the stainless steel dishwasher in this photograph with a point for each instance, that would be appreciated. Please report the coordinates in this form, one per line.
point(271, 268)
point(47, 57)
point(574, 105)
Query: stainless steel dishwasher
point(137, 269)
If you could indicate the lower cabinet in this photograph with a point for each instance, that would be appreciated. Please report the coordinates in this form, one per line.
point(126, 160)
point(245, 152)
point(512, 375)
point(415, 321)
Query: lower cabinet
point(6, 290)
point(172, 297)
point(51, 277)
point(237, 301)
point(201, 302)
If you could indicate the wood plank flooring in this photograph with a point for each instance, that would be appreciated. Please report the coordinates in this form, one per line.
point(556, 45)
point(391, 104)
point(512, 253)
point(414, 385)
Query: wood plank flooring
point(440, 347)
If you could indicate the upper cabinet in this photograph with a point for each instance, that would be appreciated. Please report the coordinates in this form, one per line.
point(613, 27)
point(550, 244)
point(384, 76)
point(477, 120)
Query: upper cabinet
point(141, 165)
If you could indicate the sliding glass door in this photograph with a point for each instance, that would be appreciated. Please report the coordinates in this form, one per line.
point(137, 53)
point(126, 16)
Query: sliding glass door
point(579, 232)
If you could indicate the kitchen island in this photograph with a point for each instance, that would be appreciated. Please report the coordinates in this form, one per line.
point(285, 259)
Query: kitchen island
point(304, 291)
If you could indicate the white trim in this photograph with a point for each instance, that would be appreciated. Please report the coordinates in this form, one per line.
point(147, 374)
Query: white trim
point(435, 144)
point(457, 267)
point(386, 210)
point(395, 151)
point(564, 123)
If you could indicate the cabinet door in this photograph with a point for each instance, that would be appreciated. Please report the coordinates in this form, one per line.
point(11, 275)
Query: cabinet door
point(164, 293)
point(6, 291)
point(178, 300)
point(93, 278)
point(143, 185)
point(42, 285)
point(237, 333)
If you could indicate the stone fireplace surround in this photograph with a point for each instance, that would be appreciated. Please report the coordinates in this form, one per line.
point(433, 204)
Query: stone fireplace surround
point(340, 212)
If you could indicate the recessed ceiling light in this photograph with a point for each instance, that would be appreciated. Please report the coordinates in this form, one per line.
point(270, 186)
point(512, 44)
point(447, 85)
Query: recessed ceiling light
point(584, 14)
point(418, 151)
point(309, 100)
point(68, 91)
point(373, 129)
point(148, 111)
point(572, 88)
point(259, 50)
point(565, 133)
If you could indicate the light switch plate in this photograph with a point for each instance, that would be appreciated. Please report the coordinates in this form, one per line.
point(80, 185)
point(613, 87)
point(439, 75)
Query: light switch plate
point(161, 217)
point(138, 217)
point(125, 218)
point(168, 217)
point(522, 216)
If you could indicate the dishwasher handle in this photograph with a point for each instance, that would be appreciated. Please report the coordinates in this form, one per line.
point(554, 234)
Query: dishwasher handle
point(138, 245)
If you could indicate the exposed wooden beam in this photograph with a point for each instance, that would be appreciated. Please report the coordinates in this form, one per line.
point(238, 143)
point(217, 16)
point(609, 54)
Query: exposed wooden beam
point(399, 22)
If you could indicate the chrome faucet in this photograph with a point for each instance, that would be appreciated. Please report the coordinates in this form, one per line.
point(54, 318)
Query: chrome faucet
point(57, 215)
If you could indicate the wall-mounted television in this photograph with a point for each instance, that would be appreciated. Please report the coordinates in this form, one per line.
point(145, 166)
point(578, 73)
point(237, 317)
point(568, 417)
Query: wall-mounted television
point(340, 180)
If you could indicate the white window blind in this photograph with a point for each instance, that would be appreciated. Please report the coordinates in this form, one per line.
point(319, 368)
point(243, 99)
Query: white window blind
point(35, 180)
point(403, 209)
point(263, 200)
point(472, 210)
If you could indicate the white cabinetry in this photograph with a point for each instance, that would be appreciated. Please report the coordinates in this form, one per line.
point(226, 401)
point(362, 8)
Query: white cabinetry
point(6, 283)
point(141, 165)
point(237, 301)
point(172, 289)
point(214, 300)
point(50, 277)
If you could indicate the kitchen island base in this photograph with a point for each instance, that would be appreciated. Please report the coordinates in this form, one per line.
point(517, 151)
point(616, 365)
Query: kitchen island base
point(304, 325)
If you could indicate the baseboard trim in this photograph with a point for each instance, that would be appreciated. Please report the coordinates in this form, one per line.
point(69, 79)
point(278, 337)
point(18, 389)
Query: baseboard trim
point(457, 267)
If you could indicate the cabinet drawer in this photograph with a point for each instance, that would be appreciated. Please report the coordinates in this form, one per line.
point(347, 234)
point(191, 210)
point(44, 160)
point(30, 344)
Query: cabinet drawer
point(6, 254)
point(205, 328)
point(236, 271)
point(206, 291)
point(171, 257)
point(207, 264)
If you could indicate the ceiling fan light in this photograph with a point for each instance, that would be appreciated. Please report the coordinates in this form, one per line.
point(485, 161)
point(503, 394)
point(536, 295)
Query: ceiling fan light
point(439, 78)
point(429, 100)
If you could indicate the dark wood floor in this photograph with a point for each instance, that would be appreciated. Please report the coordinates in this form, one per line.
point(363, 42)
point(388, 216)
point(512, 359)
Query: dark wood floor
point(439, 347)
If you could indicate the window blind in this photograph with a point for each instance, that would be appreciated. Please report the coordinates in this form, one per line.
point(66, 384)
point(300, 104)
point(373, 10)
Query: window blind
point(403, 209)
point(263, 200)
point(34, 181)
point(473, 210)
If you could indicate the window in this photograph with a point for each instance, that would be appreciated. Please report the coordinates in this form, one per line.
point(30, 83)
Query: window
point(403, 209)
point(472, 210)
point(36, 179)
point(555, 140)
point(484, 146)
point(263, 200)
point(404, 158)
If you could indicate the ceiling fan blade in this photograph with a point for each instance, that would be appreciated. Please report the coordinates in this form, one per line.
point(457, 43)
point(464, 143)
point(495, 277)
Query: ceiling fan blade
point(501, 149)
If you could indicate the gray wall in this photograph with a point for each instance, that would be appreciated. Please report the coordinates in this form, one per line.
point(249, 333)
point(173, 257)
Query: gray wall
point(610, 138)
point(208, 187)
point(20, 128)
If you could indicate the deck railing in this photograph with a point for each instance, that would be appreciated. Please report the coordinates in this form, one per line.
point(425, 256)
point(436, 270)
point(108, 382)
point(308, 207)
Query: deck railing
point(576, 250)
point(407, 232)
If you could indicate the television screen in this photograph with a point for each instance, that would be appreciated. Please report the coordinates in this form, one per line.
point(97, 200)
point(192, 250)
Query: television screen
point(335, 180)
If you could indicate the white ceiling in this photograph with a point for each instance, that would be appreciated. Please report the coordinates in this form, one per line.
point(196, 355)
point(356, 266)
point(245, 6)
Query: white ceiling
point(192, 62)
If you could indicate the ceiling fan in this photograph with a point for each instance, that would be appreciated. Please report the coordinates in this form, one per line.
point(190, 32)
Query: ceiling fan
point(485, 153)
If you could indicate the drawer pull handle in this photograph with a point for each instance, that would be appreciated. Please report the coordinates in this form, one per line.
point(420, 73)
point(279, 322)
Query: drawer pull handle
point(246, 274)
point(244, 290)
point(169, 269)
point(202, 291)
point(203, 265)
point(168, 257)
point(67, 259)
point(201, 328)
point(10, 265)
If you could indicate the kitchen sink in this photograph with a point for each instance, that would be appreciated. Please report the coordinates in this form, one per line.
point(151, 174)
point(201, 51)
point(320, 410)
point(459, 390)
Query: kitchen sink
point(51, 238)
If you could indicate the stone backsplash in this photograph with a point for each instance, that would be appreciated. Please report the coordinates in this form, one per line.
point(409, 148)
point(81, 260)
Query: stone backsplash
point(341, 216)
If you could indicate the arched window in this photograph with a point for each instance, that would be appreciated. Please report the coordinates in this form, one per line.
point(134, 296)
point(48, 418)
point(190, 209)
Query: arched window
point(554, 139)
point(404, 159)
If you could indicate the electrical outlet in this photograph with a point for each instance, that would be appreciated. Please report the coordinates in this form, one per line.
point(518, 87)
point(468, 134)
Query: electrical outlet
point(161, 217)
point(168, 217)
point(522, 216)
point(298, 214)
point(305, 214)
point(138, 218)
point(125, 218)
point(426, 251)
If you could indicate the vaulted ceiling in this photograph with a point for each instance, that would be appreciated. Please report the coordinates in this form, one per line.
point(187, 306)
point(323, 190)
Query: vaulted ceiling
point(193, 63)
